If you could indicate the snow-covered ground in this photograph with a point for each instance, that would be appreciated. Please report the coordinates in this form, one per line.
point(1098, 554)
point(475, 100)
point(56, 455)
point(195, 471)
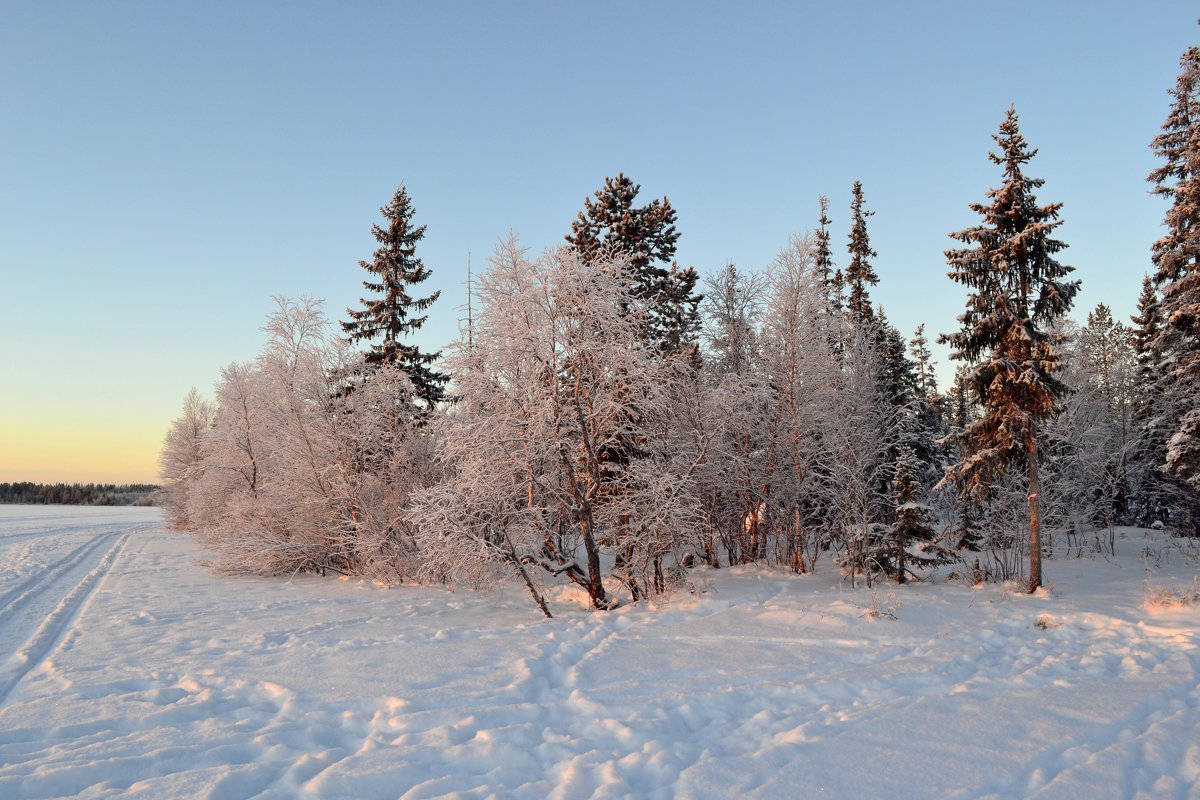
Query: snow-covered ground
point(129, 671)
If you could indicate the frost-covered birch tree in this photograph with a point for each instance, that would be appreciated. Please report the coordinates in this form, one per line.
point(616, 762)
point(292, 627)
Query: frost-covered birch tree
point(556, 462)
point(734, 480)
point(180, 460)
point(799, 365)
point(295, 474)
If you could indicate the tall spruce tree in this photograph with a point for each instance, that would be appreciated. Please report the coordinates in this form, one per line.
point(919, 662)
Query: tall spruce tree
point(830, 277)
point(929, 402)
point(1151, 492)
point(1017, 291)
point(1176, 257)
point(901, 391)
point(859, 271)
point(898, 382)
point(1147, 325)
point(922, 359)
point(646, 235)
point(387, 315)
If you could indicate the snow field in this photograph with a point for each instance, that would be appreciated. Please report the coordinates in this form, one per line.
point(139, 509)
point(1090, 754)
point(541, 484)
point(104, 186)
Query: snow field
point(130, 672)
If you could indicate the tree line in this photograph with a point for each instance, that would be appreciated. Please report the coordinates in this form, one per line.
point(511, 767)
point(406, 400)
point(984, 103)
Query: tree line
point(80, 494)
point(607, 419)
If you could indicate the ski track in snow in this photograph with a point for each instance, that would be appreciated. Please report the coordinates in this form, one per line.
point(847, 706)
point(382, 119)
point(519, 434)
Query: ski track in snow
point(131, 672)
point(47, 604)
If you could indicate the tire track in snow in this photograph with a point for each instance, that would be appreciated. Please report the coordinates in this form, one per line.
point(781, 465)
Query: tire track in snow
point(57, 623)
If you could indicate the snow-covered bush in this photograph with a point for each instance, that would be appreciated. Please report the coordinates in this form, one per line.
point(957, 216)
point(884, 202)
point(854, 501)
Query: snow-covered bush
point(308, 461)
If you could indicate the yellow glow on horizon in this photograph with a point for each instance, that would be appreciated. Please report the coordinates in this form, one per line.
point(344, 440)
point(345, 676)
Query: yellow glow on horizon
point(67, 451)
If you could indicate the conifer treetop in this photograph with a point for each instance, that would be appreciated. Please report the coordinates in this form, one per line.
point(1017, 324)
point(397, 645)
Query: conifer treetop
point(822, 252)
point(1147, 322)
point(1177, 254)
point(645, 235)
point(644, 238)
point(1011, 267)
point(1018, 290)
point(859, 271)
point(387, 312)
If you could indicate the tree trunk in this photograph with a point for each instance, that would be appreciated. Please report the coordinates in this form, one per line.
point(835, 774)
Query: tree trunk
point(516, 562)
point(1035, 538)
point(595, 583)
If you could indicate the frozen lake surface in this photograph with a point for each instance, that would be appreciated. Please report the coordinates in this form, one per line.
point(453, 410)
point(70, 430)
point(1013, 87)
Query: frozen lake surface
point(127, 670)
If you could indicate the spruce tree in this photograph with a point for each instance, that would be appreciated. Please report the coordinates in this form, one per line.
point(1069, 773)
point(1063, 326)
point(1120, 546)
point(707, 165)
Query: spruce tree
point(927, 379)
point(1177, 254)
point(830, 277)
point(898, 382)
point(1102, 340)
point(1176, 257)
point(901, 392)
point(1149, 410)
point(1147, 326)
point(387, 314)
point(859, 272)
point(675, 317)
point(900, 389)
point(929, 403)
point(646, 235)
point(922, 359)
point(913, 525)
point(1017, 291)
point(960, 416)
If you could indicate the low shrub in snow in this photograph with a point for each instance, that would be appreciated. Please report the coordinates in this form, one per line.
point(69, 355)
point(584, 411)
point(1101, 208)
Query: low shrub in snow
point(1166, 597)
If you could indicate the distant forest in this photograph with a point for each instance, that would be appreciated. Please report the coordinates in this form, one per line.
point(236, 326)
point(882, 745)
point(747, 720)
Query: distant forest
point(78, 494)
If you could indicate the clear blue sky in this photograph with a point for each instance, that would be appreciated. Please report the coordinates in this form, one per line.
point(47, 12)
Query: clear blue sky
point(167, 167)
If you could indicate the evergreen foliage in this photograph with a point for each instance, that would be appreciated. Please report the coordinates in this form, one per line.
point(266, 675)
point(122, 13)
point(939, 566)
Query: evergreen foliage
point(1176, 257)
point(1017, 292)
point(389, 313)
point(1152, 491)
point(960, 415)
point(898, 374)
point(823, 257)
point(929, 405)
point(859, 271)
point(78, 494)
point(900, 391)
point(1147, 326)
point(913, 525)
point(922, 360)
point(645, 238)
